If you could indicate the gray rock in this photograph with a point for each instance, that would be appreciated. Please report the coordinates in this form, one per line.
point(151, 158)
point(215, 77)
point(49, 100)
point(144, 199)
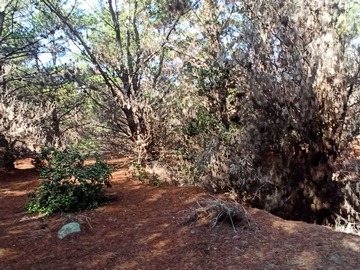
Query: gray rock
point(72, 227)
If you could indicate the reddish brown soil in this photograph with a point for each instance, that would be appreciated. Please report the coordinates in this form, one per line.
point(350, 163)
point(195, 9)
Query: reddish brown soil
point(142, 228)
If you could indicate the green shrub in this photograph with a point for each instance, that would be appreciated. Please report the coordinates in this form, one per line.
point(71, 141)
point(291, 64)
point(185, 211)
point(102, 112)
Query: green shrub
point(69, 185)
point(203, 121)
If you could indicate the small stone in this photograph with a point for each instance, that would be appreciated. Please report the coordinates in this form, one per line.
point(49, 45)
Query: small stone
point(72, 227)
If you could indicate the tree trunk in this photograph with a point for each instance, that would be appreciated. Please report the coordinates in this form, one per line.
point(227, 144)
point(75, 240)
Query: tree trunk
point(130, 119)
point(6, 157)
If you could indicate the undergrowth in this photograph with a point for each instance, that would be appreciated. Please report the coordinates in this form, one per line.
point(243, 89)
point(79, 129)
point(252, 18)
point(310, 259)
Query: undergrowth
point(143, 175)
point(69, 185)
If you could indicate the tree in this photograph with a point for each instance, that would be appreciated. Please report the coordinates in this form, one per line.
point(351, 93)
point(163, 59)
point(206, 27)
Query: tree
point(290, 73)
point(17, 43)
point(40, 103)
point(302, 84)
point(131, 62)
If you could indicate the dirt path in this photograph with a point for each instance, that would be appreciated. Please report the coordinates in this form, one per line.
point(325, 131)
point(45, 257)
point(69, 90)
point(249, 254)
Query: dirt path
point(142, 228)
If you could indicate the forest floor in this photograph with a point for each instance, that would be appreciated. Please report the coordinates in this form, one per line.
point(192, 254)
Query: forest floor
point(143, 228)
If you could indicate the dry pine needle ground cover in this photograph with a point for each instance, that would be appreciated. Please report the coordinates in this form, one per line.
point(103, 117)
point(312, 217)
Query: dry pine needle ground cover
point(147, 227)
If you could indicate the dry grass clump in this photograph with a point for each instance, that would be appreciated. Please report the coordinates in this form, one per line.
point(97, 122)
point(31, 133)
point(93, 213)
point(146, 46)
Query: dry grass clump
point(212, 211)
point(345, 226)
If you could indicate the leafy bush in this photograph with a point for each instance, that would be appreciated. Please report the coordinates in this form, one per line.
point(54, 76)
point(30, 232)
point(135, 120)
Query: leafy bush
point(69, 185)
point(203, 121)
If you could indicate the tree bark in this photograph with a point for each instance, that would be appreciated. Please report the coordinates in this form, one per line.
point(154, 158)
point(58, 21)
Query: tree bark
point(6, 157)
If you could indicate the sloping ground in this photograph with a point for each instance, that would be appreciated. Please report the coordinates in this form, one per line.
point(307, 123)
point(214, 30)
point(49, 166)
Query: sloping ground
point(143, 228)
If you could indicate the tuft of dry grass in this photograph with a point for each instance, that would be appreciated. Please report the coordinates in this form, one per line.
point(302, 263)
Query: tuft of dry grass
point(212, 211)
point(343, 225)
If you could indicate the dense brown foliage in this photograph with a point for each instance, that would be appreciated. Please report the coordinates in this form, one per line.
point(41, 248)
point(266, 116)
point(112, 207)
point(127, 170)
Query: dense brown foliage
point(285, 107)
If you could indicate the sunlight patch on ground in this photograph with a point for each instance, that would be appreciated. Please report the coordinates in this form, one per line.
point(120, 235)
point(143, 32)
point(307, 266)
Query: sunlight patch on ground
point(24, 164)
point(191, 199)
point(15, 232)
point(118, 175)
point(288, 227)
point(8, 253)
point(165, 225)
point(153, 236)
point(305, 260)
point(155, 197)
point(162, 244)
point(7, 192)
point(352, 244)
point(32, 217)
